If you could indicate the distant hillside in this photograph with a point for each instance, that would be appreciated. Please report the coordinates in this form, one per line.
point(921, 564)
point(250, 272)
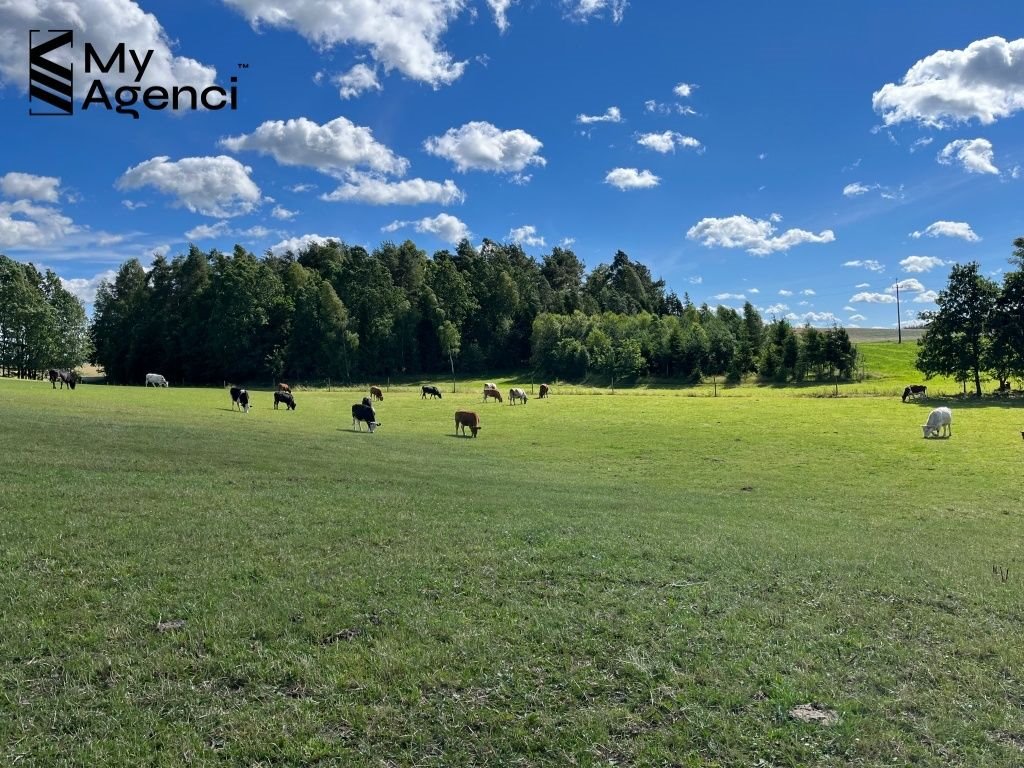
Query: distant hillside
point(883, 334)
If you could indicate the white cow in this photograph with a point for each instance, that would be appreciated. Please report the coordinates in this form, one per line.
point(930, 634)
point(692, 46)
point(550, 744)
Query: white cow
point(939, 419)
point(516, 394)
point(156, 380)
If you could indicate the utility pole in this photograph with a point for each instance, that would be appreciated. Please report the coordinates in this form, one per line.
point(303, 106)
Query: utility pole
point(899, 330)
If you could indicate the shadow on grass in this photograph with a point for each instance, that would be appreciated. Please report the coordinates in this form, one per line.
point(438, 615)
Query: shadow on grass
point(969, 401)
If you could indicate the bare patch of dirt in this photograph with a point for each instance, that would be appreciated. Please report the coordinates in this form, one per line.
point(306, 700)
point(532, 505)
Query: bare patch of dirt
point(814, 713)
point(344, 634)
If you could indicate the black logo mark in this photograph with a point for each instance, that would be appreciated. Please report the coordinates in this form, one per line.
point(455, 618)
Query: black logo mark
point(49, 82)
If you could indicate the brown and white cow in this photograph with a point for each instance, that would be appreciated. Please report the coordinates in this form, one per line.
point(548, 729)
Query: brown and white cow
point(544, 389)
point(494, 394)
point(465, 419)
point(376, 393)
point(516, 394)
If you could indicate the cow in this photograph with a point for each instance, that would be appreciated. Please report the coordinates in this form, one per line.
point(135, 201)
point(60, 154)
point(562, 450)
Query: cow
point(492, 393)
point(284, 397)
point(465, 419)
point(64, 377)
point(941, 419)
point(156, 380)
point(362, 412)
point(376, 394)
point(915, 391)
point(282, 387)
point(516, 394)
point(240, 397)
point(544, 389)
point(432, 391)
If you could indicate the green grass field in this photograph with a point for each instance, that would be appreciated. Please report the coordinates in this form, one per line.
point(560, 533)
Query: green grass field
point(653, 577)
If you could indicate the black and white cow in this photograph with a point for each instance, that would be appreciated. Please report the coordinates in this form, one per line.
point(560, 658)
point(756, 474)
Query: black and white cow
point(284, 397)
point(362, 412)
point(432, 391)
point(240, 397)
point(915, 391)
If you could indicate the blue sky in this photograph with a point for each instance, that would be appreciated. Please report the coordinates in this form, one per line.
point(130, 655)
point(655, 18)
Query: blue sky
point(801, 155)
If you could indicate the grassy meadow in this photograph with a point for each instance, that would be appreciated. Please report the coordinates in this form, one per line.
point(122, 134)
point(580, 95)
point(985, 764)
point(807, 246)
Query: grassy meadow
point(650, 577)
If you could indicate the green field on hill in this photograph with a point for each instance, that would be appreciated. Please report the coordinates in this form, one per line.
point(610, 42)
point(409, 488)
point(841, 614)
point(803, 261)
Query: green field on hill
point(650, 577)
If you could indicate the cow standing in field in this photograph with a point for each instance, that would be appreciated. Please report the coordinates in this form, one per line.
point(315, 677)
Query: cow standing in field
point(362, 412)
point(64, 377)
point(516, 394)
point(432, 391)
point(915, 391)
point(493, 393)
point(155, 380)
point(240, 397)
point(284, 397)
point(465, 419)
point(376, 394)
point(544, 390)
point(939, 420)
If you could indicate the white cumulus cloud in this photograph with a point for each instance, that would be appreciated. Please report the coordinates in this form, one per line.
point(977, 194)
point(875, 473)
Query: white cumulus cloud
point(213, 186)
point(754, 236)
point(869, 264)
point(920, 263)
point(631, 178)
point(27, 186)
point(356, 81)
point(728, 296)
point(282, 213)
point(482, 146)
point(784, 292)
point(873, 298)
point(984, 81)
point(296, 244)
point(376, 191)
point(339, 145)
point(959, 229)
point(611, 115)
point(975, 155)
point(583, 10)
point(667, 141)
point(85, 287)
point(909, 285)
point(857, 318)
point(105, 24)
point(445, 226)
point(526, 235)
point(25, 224)
point(398, 34)
point(500, 9)
point(926, 297)
point(683, 90)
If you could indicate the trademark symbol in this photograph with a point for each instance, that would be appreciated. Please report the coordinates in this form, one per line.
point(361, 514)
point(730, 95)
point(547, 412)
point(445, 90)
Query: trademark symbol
point(243, 66)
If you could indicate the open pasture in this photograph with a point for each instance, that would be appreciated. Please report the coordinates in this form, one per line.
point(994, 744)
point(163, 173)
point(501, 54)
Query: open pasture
point(631, 579)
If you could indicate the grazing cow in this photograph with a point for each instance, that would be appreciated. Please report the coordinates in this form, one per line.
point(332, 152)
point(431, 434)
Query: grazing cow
point(282, 387)
point(240, 397)
point(544, 389)
point(432, 391)
point(362, 412)
point(465, 419)
point(915, 390)
point(492, 393)
point(939, 419)
point(516, 394)
point(64, 377)
point(376, 394)
point(156, 380)
point(284, 397)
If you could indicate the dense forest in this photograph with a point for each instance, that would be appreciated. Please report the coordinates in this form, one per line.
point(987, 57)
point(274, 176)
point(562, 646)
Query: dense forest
point(337, 311)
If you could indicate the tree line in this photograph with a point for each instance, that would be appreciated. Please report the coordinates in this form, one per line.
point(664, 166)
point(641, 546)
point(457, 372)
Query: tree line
point(42, 325)
point(341, 312)
point(978, 329)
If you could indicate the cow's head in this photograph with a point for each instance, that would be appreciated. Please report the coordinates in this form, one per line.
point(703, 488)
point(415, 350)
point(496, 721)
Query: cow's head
point(929, 430)
point(373, 425)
